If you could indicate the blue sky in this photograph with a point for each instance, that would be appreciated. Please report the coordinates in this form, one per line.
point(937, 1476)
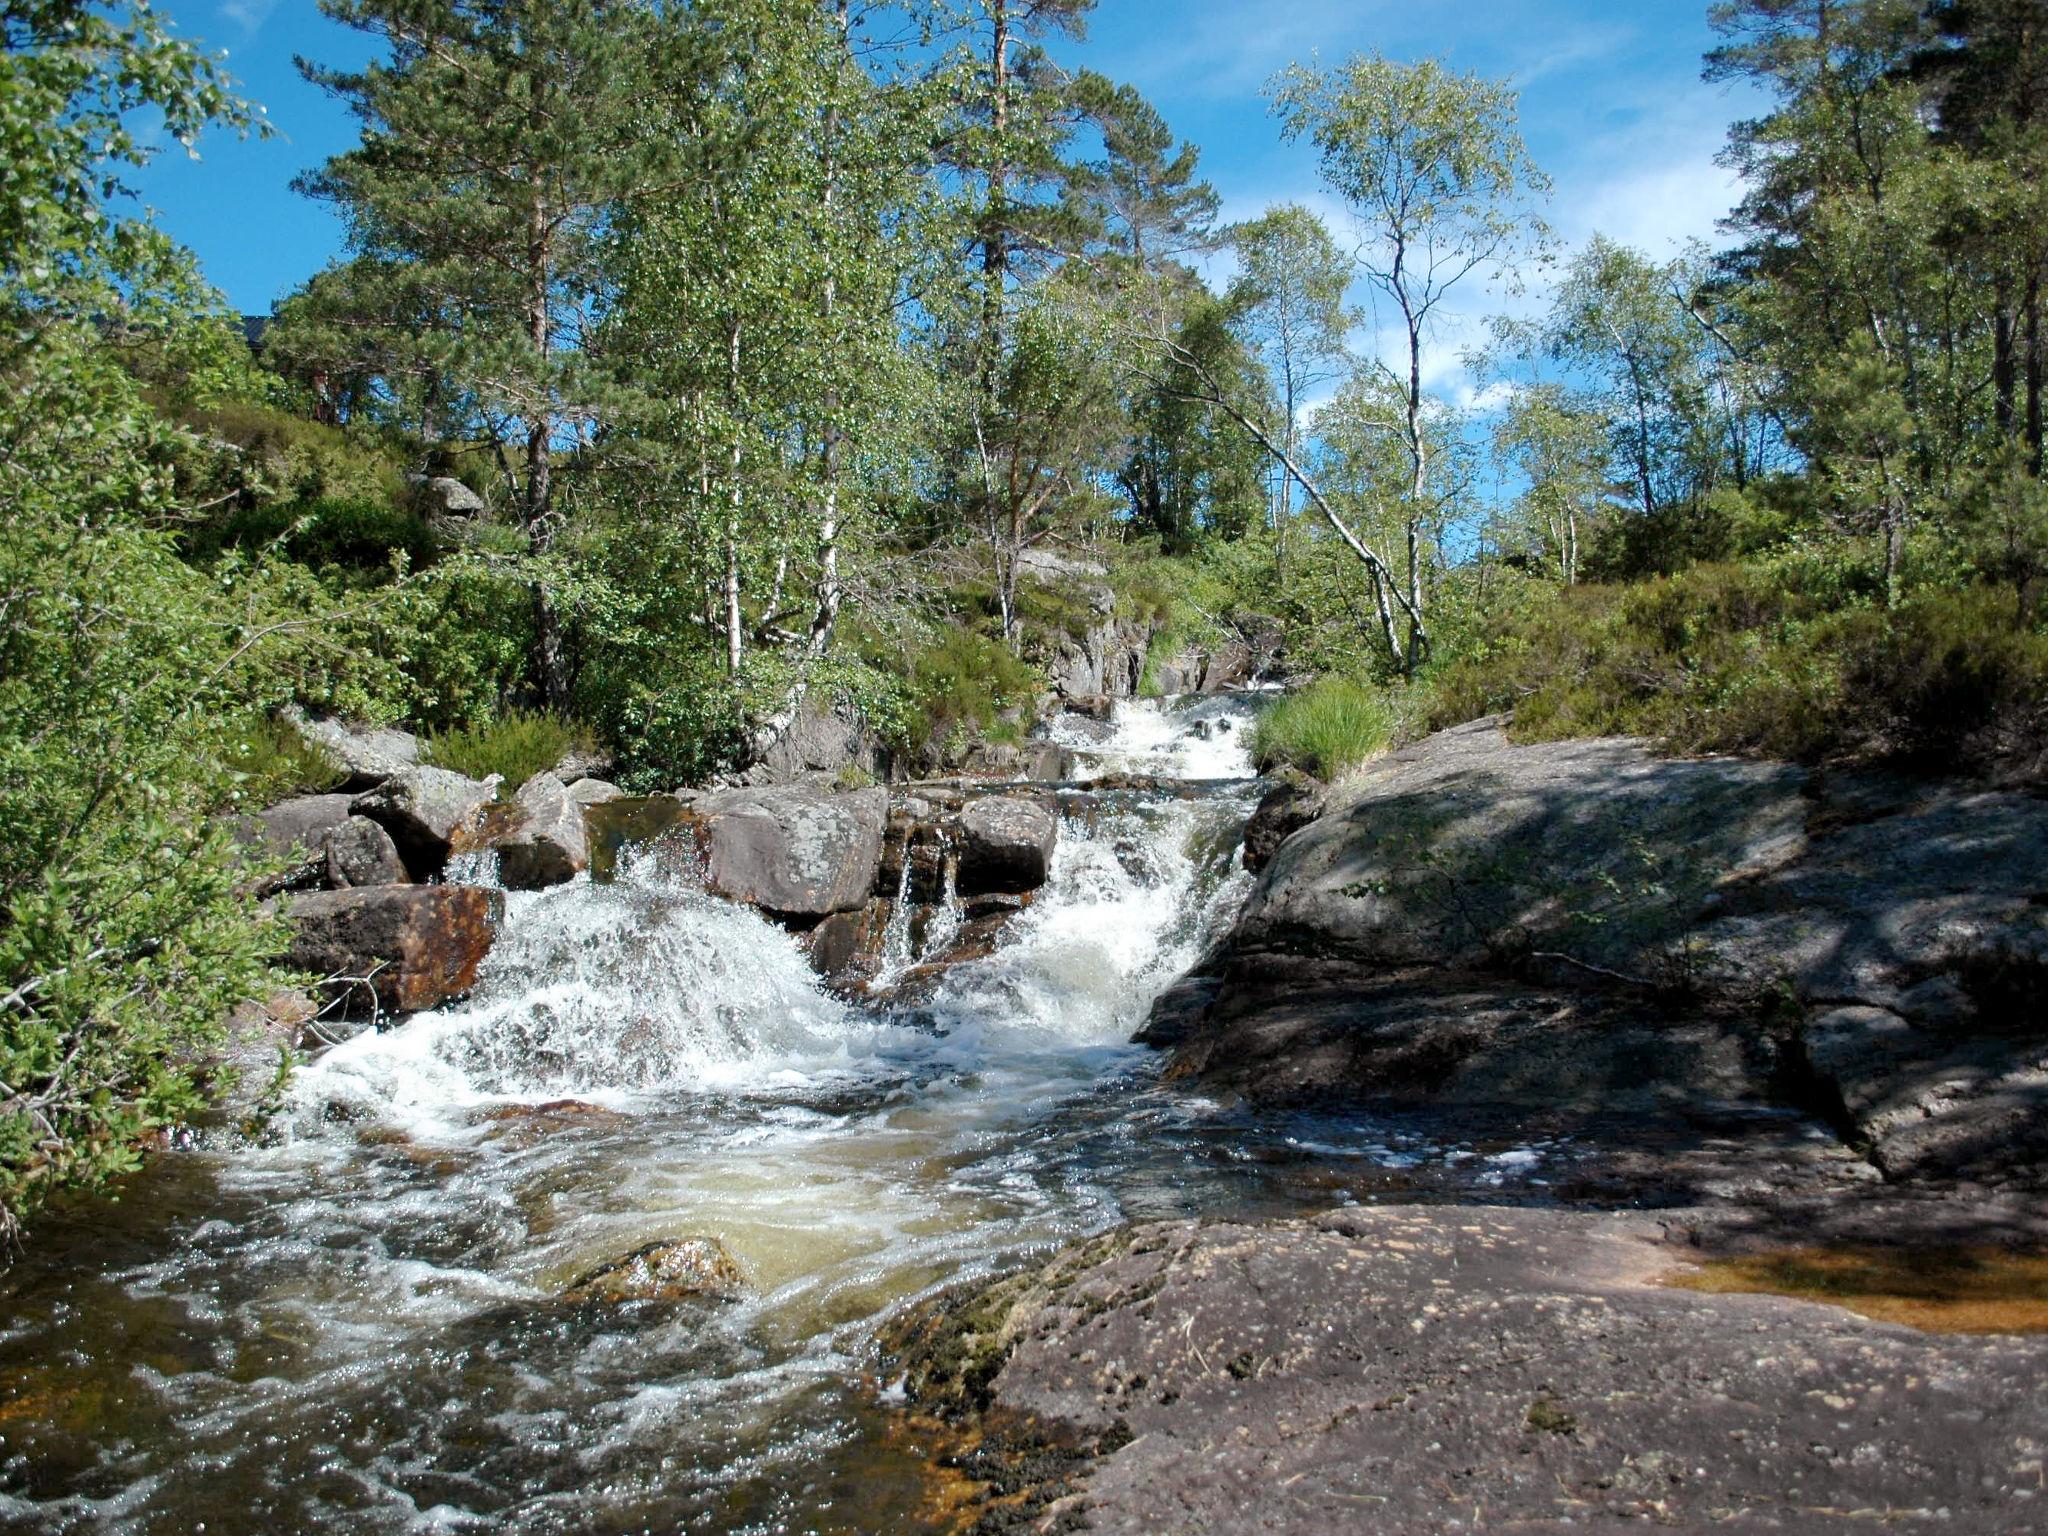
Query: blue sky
point(1613, 108)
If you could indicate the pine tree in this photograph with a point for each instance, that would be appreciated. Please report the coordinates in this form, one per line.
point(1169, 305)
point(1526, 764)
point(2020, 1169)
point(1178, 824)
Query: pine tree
point(500, 140)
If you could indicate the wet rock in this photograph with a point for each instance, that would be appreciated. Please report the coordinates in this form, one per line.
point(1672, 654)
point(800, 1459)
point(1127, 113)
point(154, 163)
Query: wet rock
point(844, 945)
point(792, 850)
point(1006, 844)
point(679, 1270)
point(359, 852)
point(1034, 762)
point(263, 1038)
point(1094, 706)
point(546, 844)
point(403, 948)
point(1295, 802)
point(589, 791)
point(1397, 1368)
point(1178, 1010)
point(426, 811)
point(616, 828)
point(363, 754)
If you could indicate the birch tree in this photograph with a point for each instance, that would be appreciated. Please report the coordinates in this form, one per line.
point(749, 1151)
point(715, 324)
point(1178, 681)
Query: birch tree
point(1433, 168)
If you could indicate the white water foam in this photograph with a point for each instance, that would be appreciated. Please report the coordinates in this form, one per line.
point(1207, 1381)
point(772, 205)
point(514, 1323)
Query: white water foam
point(1200, 739)
point(607, 993)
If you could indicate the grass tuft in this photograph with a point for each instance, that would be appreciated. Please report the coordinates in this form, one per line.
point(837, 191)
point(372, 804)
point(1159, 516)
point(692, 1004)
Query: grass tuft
point(1327, 729)
point(516, 746)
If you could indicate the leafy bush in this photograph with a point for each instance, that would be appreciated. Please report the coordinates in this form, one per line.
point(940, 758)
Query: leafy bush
point(966, 679)
point(126, 939)
point(515, 746)
point(1794, 657)
point(1326, 730)
point(352, 532)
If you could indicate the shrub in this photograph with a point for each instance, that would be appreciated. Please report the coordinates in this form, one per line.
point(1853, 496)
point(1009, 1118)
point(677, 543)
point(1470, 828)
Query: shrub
point(267, 761)
point(1793, 658)
point(515, 746)
point(351, 532)
point(966, 679)
point(1326, 730)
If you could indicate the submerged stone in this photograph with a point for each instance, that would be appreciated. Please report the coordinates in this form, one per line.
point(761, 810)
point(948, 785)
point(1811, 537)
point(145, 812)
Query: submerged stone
point(677, 1270)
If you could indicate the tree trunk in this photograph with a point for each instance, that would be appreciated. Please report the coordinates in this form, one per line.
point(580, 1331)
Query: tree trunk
point(995, 240)
point(2035, 371)
point(734, 632)
point(550, 652)
point(1418, 454)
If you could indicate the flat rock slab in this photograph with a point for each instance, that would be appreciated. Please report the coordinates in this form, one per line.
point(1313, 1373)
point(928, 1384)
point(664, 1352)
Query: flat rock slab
point(1409, 1369)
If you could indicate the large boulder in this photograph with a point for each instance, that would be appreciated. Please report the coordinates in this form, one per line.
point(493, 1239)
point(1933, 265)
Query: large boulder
point(426, 811)
point(294, 834)
point(546, 844)
point(1464, 849)
point(592, 791)
point(1107, 660)
point(445, 496)
point(821, 744)
point(1006, 845)
point(359, 852)
point(363, 754)
point(792, 850)
point(1588, 924)
point(407, 947)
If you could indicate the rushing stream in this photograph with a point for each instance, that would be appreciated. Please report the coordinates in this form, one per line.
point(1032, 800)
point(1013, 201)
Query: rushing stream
point(359, 1327)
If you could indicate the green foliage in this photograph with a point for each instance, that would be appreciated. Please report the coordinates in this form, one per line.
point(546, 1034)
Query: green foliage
point(360, 536)
point(1774, 659)
point(1326, 729)
point(267, 761)
point(270, 456)
point(515, 745)
point(966, 680)
point(124, 939)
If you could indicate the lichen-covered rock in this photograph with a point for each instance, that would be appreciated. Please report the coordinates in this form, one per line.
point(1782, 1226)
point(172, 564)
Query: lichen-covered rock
point(1587, 923)
point(363, 754)
point(1395, 1369)
point(359, 852)
point(404, 947)
point(678, 1270)
point(1006, 845)
point(426, 810)
point(546, 844)
point(792, 850)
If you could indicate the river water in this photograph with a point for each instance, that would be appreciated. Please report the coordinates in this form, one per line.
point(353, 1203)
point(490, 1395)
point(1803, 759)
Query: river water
point(359, 1326)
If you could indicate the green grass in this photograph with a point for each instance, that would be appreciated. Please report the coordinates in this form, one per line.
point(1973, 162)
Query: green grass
point(269, 762)
point(1327, 729)
point(516, 746)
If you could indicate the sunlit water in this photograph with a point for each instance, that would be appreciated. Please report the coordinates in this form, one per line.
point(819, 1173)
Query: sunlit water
point(360, 1326)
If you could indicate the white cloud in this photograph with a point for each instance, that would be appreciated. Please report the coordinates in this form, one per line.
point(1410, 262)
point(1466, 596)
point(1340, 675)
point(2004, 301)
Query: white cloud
point(249, 15)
